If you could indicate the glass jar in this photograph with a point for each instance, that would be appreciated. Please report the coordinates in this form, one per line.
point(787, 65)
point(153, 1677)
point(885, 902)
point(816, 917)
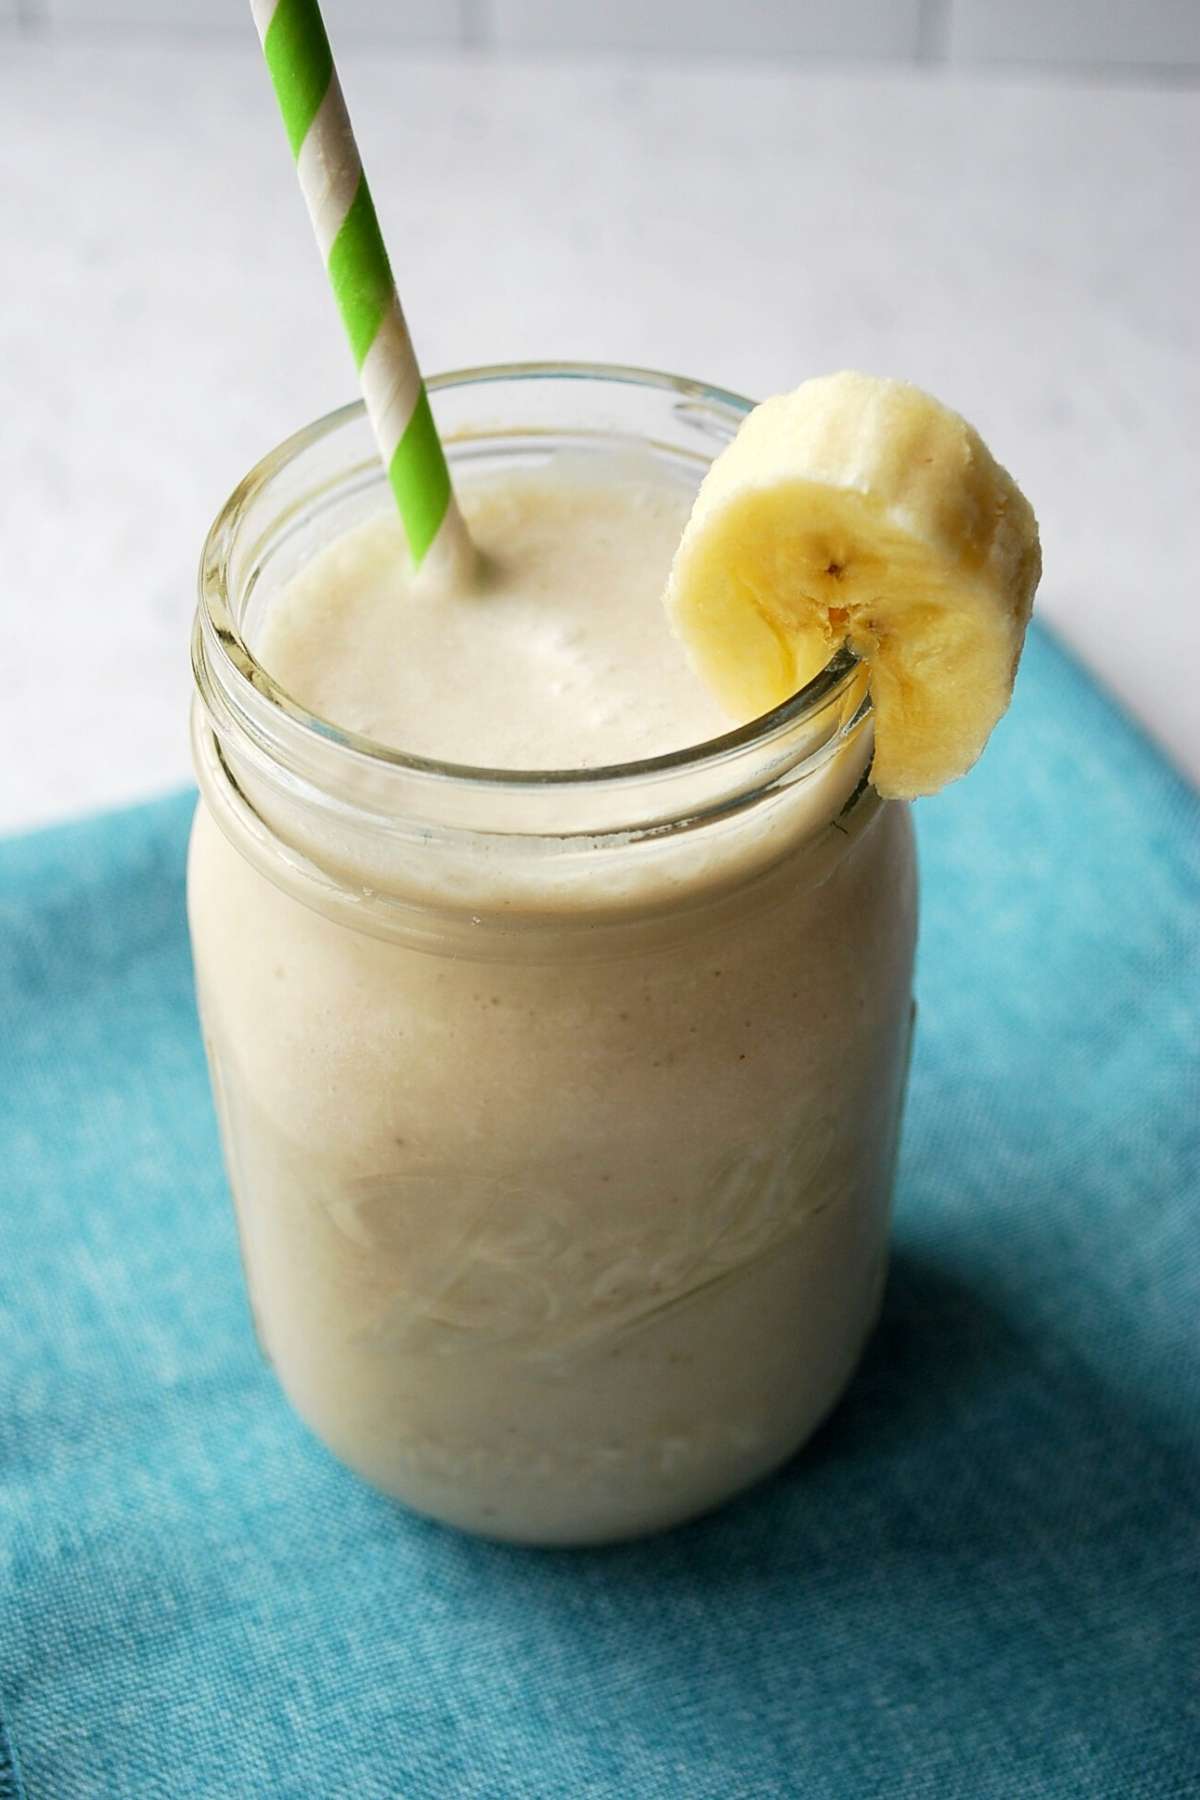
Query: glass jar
point(560, 1109)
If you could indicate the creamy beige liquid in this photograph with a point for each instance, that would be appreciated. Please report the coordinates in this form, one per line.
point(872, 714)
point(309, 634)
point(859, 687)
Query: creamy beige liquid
point(557, 1238)
point(560, 656)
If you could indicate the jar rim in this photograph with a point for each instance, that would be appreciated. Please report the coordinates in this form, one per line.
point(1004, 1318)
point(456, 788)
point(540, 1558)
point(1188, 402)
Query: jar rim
point(218, 643)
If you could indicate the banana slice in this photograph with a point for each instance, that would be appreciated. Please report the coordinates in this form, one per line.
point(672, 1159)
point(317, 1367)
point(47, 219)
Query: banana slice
point(860, 510)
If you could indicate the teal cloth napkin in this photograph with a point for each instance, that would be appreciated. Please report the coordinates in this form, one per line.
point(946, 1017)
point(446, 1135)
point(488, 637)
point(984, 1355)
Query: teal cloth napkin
point(983, 1578)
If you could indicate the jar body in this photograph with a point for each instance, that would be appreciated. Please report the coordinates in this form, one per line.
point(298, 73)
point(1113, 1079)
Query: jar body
point(560, 1229)
point(562, 1252)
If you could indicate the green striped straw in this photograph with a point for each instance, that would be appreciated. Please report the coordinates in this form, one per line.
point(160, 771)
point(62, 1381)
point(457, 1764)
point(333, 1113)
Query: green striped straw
point(339, 203)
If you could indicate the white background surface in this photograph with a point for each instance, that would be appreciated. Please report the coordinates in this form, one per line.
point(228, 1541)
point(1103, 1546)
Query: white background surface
point(1148, 34)
point(1020, 242)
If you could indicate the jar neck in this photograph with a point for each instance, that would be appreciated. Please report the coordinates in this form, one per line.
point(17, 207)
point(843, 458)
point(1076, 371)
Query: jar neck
point(486, 895)
point(350, 823)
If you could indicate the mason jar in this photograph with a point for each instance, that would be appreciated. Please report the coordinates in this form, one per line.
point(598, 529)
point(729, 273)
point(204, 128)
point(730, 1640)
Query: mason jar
point(560, 1109)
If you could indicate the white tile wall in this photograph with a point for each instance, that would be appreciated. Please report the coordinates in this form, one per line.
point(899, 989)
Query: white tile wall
point(792, 27)
point(401, 21)
point(159, 16)
point(1129, 32)
point(1096, 33)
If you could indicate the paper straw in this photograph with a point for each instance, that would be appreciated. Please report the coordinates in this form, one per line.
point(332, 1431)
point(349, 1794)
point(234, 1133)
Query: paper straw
point(335, 190)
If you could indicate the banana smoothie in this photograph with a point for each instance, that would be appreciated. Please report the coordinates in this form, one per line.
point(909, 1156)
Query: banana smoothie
point(559, 1048)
